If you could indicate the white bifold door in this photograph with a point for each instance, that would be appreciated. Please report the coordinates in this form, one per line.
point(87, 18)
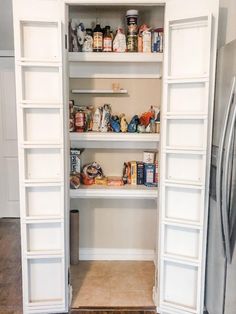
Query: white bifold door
point(39, 86)
point(188, 81)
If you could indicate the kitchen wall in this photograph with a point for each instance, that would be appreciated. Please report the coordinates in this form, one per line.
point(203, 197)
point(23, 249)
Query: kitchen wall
point(227, 22)
point(6, 25)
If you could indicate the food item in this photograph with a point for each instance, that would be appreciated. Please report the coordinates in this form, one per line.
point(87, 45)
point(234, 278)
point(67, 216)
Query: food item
point(133, 165)
point(125, 173)
point(123, 123)
point(132, 126)
point(107, 40)
point(147, 41)
point(115, 181)
point(152, 125)
point(106, 113)
point(97, 39)
point(101, 181)
point(142, 28)
point(157, 127)
point(80, 35)
point(88, 118)
point(71, 116)
point(157, 40)
point(140, 173)
point(97, 120)
point(132, 22)
point(88, 41)
point(146, 117)
point(119, 43)
point(86, 180)
point(141, 128)
point(80, 121)
point(115, 123)
point(73, 37)
point(75, 181)
point(132, 43)
point(149, 157)
point(149, 174)
point(75, 163)
point(93, 170)
point(156, 173)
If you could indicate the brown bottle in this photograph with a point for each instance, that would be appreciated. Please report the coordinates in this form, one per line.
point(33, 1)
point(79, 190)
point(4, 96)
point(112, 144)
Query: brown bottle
point(97, 39)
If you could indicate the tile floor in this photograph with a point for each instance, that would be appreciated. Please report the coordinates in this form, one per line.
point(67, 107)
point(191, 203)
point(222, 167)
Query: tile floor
point(112, 284)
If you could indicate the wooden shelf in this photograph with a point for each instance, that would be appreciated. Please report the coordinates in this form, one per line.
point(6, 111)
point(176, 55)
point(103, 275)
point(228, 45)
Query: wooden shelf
point(99, 91)
point(114, 57)
point(111, 192)
point(112, 136)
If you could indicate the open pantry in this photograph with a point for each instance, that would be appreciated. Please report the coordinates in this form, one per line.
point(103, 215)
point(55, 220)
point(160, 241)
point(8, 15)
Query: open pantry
point(119, 131)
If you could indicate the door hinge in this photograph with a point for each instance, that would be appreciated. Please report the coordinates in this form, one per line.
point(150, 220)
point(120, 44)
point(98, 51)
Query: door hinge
point(66, 41)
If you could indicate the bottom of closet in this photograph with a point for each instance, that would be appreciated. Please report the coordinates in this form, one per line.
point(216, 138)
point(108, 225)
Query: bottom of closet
point(104, 284)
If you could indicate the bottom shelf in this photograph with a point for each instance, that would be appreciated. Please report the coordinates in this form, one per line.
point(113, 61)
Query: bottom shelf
point(109, 192)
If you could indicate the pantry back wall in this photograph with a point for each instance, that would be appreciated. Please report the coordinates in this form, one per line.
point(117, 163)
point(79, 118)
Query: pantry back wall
point(130, 224)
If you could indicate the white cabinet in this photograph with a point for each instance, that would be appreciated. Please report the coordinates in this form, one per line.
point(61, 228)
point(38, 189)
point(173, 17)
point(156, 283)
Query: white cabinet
point(43, 68)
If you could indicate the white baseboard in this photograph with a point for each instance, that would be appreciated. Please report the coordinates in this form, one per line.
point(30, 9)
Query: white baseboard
point(88, 254)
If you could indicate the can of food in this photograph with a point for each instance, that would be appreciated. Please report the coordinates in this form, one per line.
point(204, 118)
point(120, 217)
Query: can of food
point(132, 43)
point(79, 121)
point(132, 22)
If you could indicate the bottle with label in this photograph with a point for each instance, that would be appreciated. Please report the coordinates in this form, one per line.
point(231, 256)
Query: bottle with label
point(97, 39)
point(88, 41)
point(107, 40)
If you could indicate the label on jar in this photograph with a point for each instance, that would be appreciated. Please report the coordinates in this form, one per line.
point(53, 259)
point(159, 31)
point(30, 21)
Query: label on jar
point(107, 44)
point(97, 40)
point(132, 43)
point(79, 119)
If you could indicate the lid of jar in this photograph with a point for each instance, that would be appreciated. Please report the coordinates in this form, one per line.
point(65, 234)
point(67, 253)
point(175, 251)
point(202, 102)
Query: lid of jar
point(132, 12)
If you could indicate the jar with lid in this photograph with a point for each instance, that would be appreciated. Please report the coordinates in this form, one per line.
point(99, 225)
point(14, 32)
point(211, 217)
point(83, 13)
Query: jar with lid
point(132, 30)
point(107, 40)
point(97, 39)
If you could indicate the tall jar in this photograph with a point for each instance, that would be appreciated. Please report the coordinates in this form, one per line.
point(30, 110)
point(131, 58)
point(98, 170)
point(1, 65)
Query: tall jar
point(132, 30)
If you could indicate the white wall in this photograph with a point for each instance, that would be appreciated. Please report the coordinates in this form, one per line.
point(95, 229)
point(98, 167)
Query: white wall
point(6, 25)
point(227, 22)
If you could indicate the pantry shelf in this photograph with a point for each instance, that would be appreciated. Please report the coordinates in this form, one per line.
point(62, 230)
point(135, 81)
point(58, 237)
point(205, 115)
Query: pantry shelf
point(112, 136)
point(114, 57)
point(99, 91)
point(111, 192)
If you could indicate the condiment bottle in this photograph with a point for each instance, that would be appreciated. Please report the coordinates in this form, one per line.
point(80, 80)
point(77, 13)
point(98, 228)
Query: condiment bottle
point(107, 40)
point(97, 39)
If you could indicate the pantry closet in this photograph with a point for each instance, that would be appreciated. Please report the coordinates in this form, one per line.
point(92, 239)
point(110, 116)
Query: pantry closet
point(153, 233)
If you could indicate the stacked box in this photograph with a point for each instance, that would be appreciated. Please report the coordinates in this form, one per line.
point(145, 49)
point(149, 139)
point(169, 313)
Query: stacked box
point(75, 163)
point(149, 175)
point(133, 165)
point(140, 173)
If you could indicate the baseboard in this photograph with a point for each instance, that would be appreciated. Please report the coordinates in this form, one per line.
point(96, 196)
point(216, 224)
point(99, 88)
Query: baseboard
point(88, 254)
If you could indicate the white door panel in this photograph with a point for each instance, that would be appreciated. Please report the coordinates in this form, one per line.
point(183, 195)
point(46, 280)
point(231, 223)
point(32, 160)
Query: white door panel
point(40, 115)
point(189, 62)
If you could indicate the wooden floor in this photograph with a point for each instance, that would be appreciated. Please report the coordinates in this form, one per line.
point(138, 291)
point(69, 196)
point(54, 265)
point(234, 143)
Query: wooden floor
point(10, 267)
point(112, 284)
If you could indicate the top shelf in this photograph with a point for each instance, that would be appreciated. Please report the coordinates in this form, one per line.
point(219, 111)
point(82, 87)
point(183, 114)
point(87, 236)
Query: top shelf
point(115, 57)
